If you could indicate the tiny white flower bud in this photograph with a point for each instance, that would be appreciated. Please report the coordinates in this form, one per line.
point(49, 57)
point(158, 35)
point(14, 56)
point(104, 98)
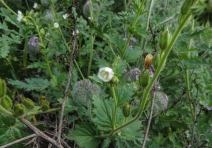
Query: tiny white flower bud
point(65, 16)
point(56, 25)
point(35, 5)
point(20, 16)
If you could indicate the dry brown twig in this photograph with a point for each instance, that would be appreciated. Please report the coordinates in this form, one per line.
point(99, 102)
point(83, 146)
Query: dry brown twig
point(66, 91)
point(40, 133)
point(18, 141)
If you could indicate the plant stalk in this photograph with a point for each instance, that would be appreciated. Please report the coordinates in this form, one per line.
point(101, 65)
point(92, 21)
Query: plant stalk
point(156, 74)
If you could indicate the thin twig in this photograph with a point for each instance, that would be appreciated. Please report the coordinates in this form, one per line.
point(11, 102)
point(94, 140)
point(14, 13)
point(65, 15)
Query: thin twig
point(66, 94)
point(18, 141)
point(40, 133)
point(149, 121)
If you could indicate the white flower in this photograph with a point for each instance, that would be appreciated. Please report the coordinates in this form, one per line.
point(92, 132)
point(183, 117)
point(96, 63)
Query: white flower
point(35, 5)
point(20, 16)
point(65, 16)
point(56, 25)
point(75, 32)
point(105, 74)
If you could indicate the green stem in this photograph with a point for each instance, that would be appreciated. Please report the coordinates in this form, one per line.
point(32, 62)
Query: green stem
point(133, 26)
point(2, 1)
point(111, 48)
point(187, 76)
point(125, 5)
point(115, 102)
point(63, 38)
point(44, 52)
point(156, 74)
point(91, 12)
point(91, 54)
point(39, 112)
point(143, 41)
point(6, 112)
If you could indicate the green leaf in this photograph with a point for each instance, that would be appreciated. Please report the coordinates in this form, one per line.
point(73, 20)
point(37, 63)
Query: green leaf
point(116, 41)
point(84, 135)
point(36, 65)
point(195, 63)
point(106, 143)
point(31, 84)
point(10, 18)
point(132, 55)
point(119, 66)
point(138, 31)
point(4, 50)
point(96, 79)
point(10, 132)
point(104, 111)
point(132, 131)
point(124, 94)
point(4, 27)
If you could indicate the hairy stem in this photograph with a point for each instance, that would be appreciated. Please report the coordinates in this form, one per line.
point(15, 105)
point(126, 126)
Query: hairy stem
point(156, 74)
point(115, 102)
point(140, 10)
point(143, 41)
point(91, 54)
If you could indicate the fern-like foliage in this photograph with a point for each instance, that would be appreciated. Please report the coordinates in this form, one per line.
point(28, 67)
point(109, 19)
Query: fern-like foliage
point(31, 84)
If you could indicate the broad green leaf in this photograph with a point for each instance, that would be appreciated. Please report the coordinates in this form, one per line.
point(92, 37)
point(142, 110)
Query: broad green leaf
point(106, 143)
point(119, 66)
point(96, 79)
point(138, 31)
point(124, 94)
point(104, 111)
point(132, 55)
point(10, 132)
point(132, 131)
point(31, 84)
point(84, 135)
point(118, 42)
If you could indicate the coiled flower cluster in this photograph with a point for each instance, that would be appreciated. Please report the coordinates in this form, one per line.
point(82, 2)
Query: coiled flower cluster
point(132, 75)
point(84, 90)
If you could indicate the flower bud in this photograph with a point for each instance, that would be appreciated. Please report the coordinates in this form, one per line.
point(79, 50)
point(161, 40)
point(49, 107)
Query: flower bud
point(148, 61)
point(45, 3)
point(144, 79)
point(156, 61)
point(161, 102)
point(126, 110)
point(19, 109)
point(28, 103)
point(6, 102)
point(86, 8)
point(115, 80)
point(33, 45)
point(3, 88)
point(164, 40)
point(186, 6)
point(44, 105)
point(132, 75)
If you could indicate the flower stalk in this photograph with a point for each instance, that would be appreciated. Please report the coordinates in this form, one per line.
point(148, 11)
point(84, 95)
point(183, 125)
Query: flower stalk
point(156, 74)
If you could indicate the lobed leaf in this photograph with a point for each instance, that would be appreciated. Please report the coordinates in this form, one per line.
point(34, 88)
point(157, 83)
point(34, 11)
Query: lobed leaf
point(84, 135)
